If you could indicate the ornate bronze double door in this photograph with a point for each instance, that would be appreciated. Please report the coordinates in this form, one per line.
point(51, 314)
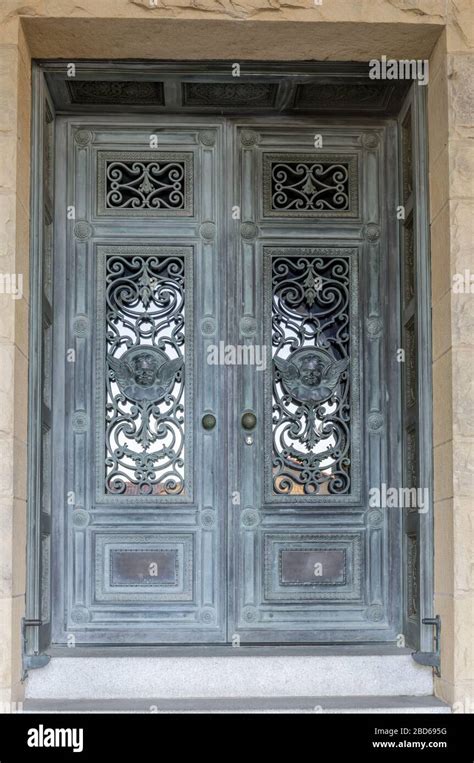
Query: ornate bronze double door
point(225, 313)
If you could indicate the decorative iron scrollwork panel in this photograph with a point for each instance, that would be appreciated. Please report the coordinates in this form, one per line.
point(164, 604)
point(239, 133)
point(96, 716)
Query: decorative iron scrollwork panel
point(144, 367)
point(130, 93)
point(145, 183)
point(313, 393)
point(310, 185)
point(229, 94)
point(337, 97)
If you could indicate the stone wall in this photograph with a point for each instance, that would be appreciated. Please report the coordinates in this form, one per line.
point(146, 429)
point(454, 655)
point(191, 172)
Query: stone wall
point(262, 29)
point(15, 95)
point(451, 134)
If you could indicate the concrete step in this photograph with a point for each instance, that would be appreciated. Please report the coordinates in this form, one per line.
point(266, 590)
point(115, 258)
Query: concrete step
point(206, 677)
point(413, 705)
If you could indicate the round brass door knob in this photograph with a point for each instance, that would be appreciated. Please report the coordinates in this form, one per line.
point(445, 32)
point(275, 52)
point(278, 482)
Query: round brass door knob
point(249, 420)
point(208, 421)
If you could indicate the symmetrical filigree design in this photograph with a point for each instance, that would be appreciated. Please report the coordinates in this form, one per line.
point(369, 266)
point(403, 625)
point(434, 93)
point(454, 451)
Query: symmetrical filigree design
point(342, 96)
point(109, 92)
point(151, 182)
point(314, 393)
point(230, 94)
point(312, 185)
point(144, 379)
point(145, 184)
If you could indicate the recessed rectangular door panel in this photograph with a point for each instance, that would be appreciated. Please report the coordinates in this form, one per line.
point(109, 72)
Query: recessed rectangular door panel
point(141, 490)
point(313, 561)
point(198, 498)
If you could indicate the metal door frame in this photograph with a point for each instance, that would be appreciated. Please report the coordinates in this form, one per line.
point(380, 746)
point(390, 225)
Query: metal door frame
point(37, 633)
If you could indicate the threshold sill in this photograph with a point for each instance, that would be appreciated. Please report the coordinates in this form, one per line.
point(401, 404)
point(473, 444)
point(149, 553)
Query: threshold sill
point(316, 650)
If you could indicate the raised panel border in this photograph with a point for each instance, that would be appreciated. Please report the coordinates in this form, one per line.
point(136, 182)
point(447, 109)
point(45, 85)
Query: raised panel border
point(105, 543)
point(350, 591)
point(102, 252)
point(353, 253)
point(186, 157)
point(268, 158)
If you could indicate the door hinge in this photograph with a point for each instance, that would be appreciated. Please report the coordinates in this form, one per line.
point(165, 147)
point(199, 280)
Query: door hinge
point(433, 659)
point(31, 661)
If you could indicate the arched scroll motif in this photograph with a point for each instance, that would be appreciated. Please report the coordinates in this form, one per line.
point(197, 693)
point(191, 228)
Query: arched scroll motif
point(314, 372)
